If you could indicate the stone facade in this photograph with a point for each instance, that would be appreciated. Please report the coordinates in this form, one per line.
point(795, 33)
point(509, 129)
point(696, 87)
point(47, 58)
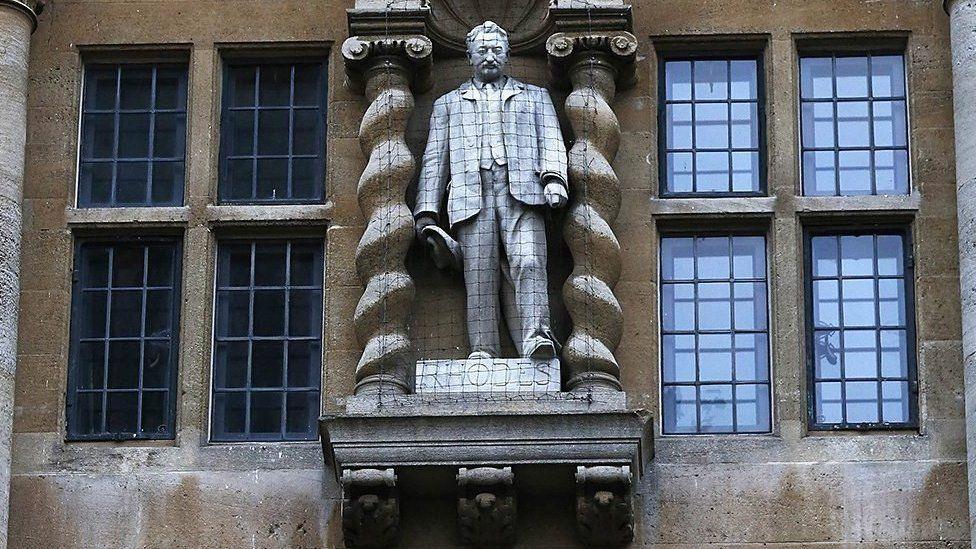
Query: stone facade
point(789, 488)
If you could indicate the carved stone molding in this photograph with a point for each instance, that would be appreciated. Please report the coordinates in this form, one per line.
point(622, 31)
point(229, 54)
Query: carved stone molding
point(370, 508)
point(596, 64)
point(486, 506)
point(385, 67)
point(604, 505)
point(525, 20)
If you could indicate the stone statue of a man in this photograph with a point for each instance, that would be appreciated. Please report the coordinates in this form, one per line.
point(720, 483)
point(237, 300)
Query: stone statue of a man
point(495, 148)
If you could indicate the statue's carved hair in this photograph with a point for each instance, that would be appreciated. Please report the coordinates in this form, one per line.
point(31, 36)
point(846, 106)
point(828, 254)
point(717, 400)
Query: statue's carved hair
point(488, 27)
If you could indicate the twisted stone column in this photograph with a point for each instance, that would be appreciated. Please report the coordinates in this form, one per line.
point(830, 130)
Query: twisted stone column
point(595, 63)
point(384, 68)
point(962, 14)
point(17, 22)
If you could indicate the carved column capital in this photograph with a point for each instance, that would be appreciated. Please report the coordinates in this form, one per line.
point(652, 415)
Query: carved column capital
point(486, 506)
point(604, 505)
point(370, 508)
point(615, 51)
point(30, 8)
point(410, 55)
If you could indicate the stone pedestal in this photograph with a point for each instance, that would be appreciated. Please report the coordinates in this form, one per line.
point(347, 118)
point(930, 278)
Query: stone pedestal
point(962, 14)
point(17, 22)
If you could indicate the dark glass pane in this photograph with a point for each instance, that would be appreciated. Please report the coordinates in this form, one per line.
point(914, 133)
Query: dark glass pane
point(816, 78)
point(275, 85)
point(711, 80)
point(161, 258)
point(94, 268)
point(88, 414)
point(304, 363)
point(243, 85)
point(266, 413)
point(233, 311)
point(715, 357)
point(229, 415)
point(716, 408)
point(305, 313)
point(304, 179)
point(242, 133)
point(272, 179)
point(158, 313)
point(127, 266)
point(154, 420)
point(306, 132)
point(306, 265)
point(94, 306)
point(230, 365)
point(270, 264)
point(678, 80)
point(98, 136)
point(170, 136)
point(123, 364)
point(680, 409)
point(126, 313)
point(156, 364)
point(267, 364)
point(167, 183)
point(100, 87)
point(307, 87)
point(170, 88)
point(235, 265)
point(301, 415)
point(131, 183)
point(269, 313)
point(133, 135)
point(273, 132)
point(95, 184)
point(91, 365)
point(136, 91)
point(240, 180)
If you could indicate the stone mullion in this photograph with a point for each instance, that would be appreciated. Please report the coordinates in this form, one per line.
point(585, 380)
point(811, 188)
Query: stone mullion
point(385, 67)
point(594, 63)
point(17, 23)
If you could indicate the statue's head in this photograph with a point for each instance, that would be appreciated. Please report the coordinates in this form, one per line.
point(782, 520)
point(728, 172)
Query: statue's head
point(488, 51)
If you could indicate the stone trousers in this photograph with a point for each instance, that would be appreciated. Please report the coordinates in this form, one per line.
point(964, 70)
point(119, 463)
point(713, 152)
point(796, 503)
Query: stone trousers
point(504, 249)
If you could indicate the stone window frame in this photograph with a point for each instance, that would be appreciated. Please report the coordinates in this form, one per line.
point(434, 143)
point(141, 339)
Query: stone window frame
point(232, 57)
point(177, 287)
point(678, 230)
point(253, 237)
point(880, 227)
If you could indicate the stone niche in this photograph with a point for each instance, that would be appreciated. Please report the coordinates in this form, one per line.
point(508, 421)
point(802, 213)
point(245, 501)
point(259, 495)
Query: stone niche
point(488, 435)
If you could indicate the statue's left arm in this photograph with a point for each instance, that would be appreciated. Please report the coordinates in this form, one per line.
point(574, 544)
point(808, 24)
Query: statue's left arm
point(552, 150)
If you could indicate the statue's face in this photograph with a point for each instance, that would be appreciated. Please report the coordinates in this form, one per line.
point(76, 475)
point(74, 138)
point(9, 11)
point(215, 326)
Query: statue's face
point(488, 54)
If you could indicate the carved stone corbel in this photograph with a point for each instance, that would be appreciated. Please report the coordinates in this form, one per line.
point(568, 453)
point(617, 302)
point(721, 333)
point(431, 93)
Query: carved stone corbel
point(370, 508)
point(604, 505)
point(386, 67)
point(486, 506)
point(596, 63)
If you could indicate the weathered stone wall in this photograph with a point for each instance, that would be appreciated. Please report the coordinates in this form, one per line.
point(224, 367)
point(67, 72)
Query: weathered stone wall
point(881, 489)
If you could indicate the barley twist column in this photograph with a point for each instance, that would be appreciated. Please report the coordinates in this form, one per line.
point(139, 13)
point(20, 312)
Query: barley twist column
point(962, 15)
point(595, 63)
point(17, 22)
point(385, 67)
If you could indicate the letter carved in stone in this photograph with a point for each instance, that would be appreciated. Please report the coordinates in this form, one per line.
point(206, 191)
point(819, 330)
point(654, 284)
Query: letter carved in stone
point(370, 508)
point(604, 505)
point(486, 506)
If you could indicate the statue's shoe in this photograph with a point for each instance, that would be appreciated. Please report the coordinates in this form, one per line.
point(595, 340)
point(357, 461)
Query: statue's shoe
point(445, 250)
point(542, 349)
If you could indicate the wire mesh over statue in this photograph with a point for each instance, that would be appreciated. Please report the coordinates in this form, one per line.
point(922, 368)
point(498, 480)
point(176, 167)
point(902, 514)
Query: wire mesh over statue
point(495, 164)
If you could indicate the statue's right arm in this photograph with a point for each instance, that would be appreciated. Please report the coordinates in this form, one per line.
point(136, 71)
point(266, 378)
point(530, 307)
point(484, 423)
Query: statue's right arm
point(436, 167)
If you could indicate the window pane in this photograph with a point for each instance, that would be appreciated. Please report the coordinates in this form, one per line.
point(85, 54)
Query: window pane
point(745, 126)
point(889, 124)
point(136, 352)
point(819, 173)
point(872, 352)
point(679, 126)
point(275, 85)
point(853, 124)
point(273, 132)
point(745, 171)
point(816, 78)
point(711, 80)
point(891, 172)
point(888, 76)
point(306, 131)
point(678, 80)
point(855, 172)
point(101, 85)
point(712, 171)
point(680, 174)
point(712, 126)
point(818, 125)
point(170, 88)
point(852, 76)
point(136, 90)
point(244, 79)
point(307, 88)
point(744, 73)
point(714, 334)
point(283, 350)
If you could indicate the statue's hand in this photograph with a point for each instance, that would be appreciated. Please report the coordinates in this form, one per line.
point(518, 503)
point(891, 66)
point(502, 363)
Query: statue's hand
point(556, 196)
point(421, 223)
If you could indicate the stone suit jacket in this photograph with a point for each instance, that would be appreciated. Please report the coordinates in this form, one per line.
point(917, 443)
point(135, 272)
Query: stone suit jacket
point(534, 150)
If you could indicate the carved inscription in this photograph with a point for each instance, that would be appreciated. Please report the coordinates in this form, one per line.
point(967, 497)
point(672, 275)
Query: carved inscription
point(519, 375)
